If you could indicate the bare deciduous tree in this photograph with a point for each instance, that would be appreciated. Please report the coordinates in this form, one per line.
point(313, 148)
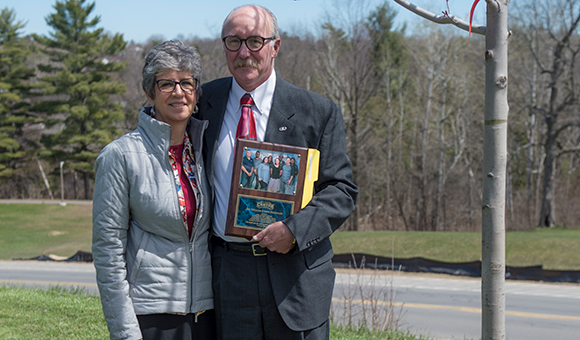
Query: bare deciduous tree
point(494, 162)
point(548, 28)
point(347, 70)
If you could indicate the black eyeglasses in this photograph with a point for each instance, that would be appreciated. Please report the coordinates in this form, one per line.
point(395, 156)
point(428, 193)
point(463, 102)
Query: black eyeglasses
point(167, 85)
point(254, 43)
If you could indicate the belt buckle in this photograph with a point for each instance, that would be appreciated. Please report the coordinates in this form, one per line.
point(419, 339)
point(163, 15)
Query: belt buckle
point(254, 250)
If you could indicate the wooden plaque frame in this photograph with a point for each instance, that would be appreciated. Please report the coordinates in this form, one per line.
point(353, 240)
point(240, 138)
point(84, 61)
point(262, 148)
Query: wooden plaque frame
point(250, 210)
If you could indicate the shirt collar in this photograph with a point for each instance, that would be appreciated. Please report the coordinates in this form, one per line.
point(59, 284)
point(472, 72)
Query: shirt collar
point(262, 95)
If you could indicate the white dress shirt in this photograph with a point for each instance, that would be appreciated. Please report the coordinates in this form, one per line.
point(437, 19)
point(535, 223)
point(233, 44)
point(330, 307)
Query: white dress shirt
point(224, 158)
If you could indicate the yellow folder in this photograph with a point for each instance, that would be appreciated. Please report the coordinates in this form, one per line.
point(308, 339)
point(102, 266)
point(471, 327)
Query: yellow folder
point(311, 175)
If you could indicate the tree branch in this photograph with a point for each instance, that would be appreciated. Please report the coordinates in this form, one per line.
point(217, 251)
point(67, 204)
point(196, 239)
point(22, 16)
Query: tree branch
point(566, 126)
point(445, 18)
point(567, 151)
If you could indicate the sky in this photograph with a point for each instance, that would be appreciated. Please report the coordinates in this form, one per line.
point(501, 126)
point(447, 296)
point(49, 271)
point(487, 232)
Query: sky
point(139, 20)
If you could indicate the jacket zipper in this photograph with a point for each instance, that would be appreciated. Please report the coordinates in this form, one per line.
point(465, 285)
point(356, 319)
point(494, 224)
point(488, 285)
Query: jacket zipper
point(189, 240)
point(196, 227)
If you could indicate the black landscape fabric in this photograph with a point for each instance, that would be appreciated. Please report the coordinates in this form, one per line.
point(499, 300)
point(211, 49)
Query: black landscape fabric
point(472, 269)
point(80, 256)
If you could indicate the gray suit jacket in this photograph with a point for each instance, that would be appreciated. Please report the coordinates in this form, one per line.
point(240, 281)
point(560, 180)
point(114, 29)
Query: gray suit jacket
point(302, 280)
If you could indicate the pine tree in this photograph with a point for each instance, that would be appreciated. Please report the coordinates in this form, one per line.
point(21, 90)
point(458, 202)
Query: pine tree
point(14, 89)
point(79, 81)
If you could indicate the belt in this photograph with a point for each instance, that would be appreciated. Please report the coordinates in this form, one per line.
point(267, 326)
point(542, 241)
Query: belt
point(252, 248)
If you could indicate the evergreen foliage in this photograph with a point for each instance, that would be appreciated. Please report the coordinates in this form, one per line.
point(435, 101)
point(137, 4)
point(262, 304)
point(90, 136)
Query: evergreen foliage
point(14, 88)
point(78, 84)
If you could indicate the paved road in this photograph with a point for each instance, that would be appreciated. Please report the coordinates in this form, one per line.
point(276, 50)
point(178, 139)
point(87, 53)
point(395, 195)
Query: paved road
point(441, 306)
point(450, 307)
point(55, 201)
point(46, 273)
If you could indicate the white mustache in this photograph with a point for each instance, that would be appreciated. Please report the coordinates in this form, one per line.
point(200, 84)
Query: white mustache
point(245, 63)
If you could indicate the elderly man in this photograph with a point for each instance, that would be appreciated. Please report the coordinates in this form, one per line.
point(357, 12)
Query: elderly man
point(279, 284)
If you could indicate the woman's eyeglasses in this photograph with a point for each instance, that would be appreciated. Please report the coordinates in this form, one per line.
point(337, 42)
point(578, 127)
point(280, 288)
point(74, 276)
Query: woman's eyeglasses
point(167, 85)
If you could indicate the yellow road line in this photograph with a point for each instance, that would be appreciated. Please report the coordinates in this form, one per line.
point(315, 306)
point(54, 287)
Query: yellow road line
point(544, 316)
point(396, 304)
point(464, 309)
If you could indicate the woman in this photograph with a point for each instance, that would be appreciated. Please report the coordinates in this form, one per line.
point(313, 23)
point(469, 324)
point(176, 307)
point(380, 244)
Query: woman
point(151, 213)
point(275, 174)
point(263, 174)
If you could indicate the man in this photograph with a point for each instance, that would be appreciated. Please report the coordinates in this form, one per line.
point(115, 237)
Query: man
point(247, 170)
point(254, 181)
point(286, 178)
point(294, 173)
point(282, 288)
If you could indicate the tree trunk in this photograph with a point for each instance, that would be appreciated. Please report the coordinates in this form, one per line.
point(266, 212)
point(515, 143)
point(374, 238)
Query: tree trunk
point(556, 107)
point(548, 212)
point(441, 162)
point(422, 206)
point(470, 195)
point(530, 161)
point(388, 143)
point(87, 182)
point(494, 172)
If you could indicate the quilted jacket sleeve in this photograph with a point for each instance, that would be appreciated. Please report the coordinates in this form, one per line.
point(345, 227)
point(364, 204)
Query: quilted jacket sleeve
point(110, 226)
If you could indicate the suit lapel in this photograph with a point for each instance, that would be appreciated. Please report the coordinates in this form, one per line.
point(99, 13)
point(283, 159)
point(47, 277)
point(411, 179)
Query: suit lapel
point(279, 124)
point(213, 109)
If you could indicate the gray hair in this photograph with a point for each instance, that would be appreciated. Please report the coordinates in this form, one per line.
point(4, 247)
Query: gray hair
point(275, 33)
point(170, 55)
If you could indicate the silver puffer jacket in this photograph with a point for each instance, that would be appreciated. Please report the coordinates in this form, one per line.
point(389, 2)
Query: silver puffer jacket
point(145, 261)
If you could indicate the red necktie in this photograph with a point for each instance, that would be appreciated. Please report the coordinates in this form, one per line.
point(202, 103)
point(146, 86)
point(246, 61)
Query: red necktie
point(247, 124)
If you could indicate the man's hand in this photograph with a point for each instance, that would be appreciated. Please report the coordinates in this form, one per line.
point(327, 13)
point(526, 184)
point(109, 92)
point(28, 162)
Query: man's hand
point(276, 237)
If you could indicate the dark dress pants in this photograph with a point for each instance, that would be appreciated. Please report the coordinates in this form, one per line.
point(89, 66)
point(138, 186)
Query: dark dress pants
point(244, 301)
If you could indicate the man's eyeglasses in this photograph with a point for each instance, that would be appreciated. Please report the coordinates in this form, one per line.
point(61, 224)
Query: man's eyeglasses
point(167, 85)
point(253, 44)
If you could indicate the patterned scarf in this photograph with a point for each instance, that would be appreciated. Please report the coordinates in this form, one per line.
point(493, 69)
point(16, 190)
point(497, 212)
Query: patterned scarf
point(189, 170)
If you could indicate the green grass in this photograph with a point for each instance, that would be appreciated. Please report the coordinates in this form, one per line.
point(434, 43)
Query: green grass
point(554, 248)
point(50, 314)
point(63, 314)
point(344, 333)
point(29, 230)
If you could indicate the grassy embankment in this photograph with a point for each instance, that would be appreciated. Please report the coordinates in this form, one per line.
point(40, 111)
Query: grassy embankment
point(28, 230)
point(58, 313)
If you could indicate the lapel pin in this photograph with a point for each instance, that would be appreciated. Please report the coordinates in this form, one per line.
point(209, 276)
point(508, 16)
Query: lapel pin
point(282, 128)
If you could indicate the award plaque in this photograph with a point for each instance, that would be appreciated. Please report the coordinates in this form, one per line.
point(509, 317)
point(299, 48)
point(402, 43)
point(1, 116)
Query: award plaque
point(268, 183)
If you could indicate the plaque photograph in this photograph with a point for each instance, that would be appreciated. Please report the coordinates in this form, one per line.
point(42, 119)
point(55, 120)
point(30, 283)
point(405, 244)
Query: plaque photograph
point(267, 185)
